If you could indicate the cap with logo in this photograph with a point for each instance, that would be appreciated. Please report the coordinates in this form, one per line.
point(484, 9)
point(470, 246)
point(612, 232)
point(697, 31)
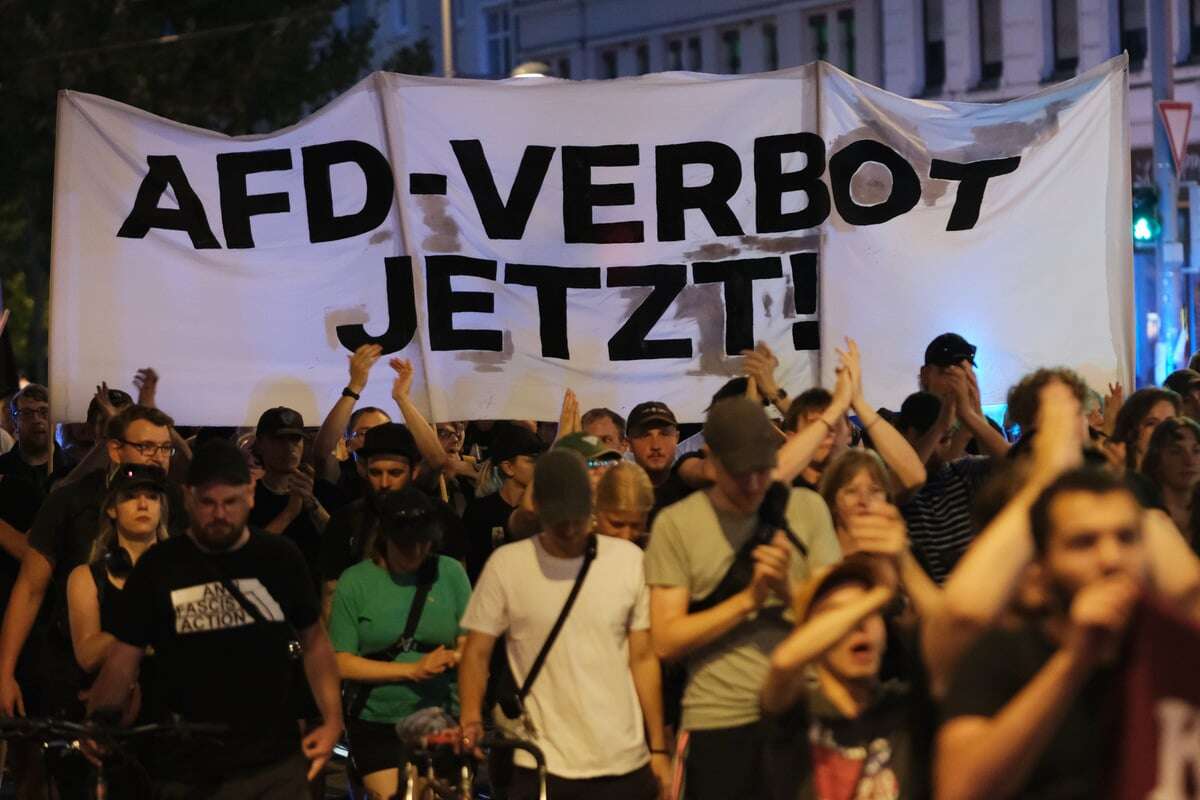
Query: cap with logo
point(740, 436)
point(588, 446)
point(280, 421)
point(406, 516)
point(128, 477)
point(949, 349)
point(649, 415)
point(390, 438)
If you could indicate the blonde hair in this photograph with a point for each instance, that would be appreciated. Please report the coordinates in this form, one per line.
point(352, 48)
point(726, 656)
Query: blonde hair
point(625, 487)
point(845, 468)
point(108, 526)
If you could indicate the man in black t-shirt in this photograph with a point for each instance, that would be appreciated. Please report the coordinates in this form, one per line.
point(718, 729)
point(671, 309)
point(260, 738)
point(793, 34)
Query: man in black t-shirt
point(60, 540)
point(287, 499)
point(654, 440)
point(1029, 711)
point(24, 479)
point(224, 607)
point(513, 451)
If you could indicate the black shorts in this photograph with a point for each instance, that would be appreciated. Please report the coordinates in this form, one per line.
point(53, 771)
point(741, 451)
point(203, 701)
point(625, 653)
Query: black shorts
point(374, 746)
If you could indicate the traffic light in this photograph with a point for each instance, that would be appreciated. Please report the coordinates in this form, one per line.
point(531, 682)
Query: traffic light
point(1146, 224)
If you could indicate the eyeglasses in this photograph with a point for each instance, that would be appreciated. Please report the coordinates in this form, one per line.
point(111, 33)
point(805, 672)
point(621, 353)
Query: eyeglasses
point(35, 413)
point(350, 437)
point(151, 449)
point(449, 433)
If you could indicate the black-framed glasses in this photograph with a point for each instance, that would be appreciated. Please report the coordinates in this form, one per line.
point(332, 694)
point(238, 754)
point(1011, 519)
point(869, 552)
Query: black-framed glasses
point(449, 433)
point(151, 449)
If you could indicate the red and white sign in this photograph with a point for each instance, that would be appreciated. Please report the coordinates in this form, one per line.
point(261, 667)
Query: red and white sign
point(1177, 119)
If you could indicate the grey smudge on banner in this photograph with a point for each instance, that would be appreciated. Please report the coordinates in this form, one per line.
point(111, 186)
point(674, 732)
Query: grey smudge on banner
point(443, 230)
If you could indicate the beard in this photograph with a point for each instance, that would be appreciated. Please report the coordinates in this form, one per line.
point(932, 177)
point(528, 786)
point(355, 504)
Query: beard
point(218, 535)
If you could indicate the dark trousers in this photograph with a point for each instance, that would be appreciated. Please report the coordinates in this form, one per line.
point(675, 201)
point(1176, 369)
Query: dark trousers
point(725, 763)
point(283, 780)
point(637, 785)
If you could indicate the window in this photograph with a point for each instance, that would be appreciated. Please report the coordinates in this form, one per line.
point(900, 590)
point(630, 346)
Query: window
point(935, 47)
point(1066, 37)
point(732, 42)
point(991, 42)
point(643, 58)
point(564, 68)
point(675, 55)
point(818, 37)
point(608, 64)
point(1133, 32)
point(695, 54)
point(771, 45)
point(400, 17)
point(499, 45)
point(845, 20)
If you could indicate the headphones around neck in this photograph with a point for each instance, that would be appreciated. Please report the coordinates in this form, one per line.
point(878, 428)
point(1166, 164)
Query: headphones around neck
point(117, 560)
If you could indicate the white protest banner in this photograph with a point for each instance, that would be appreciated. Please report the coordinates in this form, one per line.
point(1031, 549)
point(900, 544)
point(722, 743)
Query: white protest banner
point(627, 239)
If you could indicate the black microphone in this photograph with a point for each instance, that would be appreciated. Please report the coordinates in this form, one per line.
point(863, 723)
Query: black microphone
point(772, 512)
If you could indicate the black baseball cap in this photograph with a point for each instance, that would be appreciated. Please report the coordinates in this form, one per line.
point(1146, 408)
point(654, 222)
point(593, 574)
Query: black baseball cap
point(390, 438)
point(128, 477)
point(949, 349)
point(514, 440)
point(407, 516)
point(218, 461)
point(280, 421)
point(650, 415)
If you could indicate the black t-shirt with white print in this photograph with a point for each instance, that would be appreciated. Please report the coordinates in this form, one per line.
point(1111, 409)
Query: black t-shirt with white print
point(216, 663)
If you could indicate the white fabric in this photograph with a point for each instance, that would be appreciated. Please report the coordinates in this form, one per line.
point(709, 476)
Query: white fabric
point(583, 704)
point(1044, 276)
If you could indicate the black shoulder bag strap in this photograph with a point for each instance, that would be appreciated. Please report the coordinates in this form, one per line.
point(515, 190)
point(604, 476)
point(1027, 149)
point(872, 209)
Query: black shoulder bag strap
point(356, 695)
point(588, 557)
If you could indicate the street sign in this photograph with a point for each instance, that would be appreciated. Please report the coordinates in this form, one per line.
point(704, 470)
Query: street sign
point(1177, 119)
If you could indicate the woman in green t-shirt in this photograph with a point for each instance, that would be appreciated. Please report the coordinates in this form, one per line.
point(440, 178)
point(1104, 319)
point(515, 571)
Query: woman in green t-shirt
point(394, 675)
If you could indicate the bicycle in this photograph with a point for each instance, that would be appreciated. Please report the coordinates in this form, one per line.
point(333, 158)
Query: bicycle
point(447, 743)
point(64, 736)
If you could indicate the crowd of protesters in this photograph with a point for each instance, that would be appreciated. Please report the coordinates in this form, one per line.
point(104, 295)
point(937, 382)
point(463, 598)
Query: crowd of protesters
point(822, 599)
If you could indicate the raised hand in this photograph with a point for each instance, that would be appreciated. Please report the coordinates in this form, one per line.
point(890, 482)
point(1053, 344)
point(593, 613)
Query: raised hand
point(361, 361)
point(146, 383)
point(850, 360)
point(106, 407)
point(300, 484)
point(568, 418)
point(1112, 405)
point(1058, 445)
point(880, 531)
point(1100, 613)
point(759, 365)
point(404, 378)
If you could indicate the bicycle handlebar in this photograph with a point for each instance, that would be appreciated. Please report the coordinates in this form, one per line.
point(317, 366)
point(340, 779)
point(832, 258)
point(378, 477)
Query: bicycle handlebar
point(49, 728)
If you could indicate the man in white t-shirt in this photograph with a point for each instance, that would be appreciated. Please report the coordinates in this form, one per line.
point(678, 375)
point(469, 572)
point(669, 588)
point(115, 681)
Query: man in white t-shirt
point(596, 707)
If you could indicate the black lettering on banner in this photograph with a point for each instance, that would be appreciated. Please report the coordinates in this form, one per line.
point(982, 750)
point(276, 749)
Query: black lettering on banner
point(503, 220)
point(444, 302)
point(973, 177)
point(236, 205)
point(806, 334)
point(164, 172)
point(771, 182)
point(712, 198)
point(630, 342)
point(426, 183)
point(323, 226)
point(737, 277)
point(402, 311)
point(580, 195)
point(906, 186)
point(552, 284)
